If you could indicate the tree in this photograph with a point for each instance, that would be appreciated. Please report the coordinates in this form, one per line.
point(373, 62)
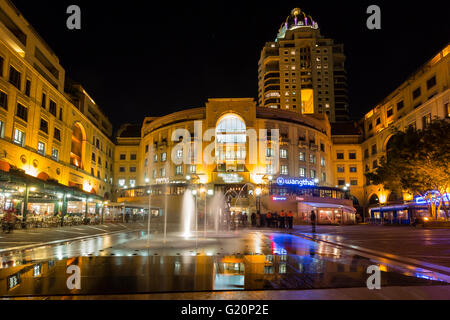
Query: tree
point(418, 162)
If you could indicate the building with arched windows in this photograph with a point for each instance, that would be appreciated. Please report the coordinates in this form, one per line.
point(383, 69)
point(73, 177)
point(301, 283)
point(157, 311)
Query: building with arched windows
point(233, 147)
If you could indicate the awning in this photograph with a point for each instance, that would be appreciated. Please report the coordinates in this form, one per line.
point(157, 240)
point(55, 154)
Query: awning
point(329, 205)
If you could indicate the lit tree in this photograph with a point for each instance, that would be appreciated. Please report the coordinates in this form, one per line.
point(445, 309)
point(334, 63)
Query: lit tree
point(418, 162)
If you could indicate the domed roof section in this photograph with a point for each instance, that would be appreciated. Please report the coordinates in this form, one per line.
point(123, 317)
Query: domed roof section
point(297, 19)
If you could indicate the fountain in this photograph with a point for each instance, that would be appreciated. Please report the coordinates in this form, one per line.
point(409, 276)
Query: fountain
point(217, 206)
point(187, 214)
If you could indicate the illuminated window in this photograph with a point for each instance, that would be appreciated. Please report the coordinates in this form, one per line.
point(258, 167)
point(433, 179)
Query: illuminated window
point(283, 153)
point(132, 182)
point(322, 161)
point(41, 148)
point(2, 129)
point(301, 156)
point(193, 169)
point(19, 137)
point(179, 170)
point(269, 169)
point(121, 182)
point(180, 154)
point(163, 156)
point(269, 152)
point(284, 170)
point(162, 172)
point(301, 172)
point(312, 174)
point(312, 158)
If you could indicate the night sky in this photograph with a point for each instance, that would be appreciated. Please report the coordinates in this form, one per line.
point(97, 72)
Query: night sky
point(150, 58)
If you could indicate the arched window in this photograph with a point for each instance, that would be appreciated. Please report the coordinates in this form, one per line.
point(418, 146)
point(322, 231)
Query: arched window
point(374, 199)
point(76, 151)
point(231, 138)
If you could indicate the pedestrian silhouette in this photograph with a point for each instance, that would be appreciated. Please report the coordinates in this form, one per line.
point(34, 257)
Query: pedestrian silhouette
point(313, 221)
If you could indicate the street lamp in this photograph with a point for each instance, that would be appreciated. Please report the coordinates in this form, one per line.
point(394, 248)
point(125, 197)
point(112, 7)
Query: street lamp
point(258, 192)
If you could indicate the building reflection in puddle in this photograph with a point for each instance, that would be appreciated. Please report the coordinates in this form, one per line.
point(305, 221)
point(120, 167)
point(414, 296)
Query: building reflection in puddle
point(287, 263)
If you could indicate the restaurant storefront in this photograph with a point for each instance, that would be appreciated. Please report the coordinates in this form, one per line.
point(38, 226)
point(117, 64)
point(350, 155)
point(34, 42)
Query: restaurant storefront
point(37, 202)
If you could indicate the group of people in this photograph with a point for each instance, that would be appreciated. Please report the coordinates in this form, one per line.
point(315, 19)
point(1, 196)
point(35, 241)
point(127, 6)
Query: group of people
point(9, 220)
point(280, 220)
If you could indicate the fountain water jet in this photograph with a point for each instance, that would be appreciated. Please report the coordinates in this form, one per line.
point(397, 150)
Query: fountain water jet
point(187, 213)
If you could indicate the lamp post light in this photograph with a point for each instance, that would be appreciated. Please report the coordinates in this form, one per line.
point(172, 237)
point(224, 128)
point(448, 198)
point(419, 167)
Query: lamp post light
point(258, 192)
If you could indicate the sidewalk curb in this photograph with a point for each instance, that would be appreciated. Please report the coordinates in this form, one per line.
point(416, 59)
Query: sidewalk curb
point(44, 244)
point(385, 255)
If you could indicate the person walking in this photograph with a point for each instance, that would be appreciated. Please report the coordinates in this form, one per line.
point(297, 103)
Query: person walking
point(253, 217)
point(263, 220)
point(269, 219)
point(313, 221)
point(282, 219)
point(290, 218)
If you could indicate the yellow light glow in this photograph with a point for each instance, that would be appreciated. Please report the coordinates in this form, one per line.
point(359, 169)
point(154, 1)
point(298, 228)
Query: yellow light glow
point(87, 186)
point(382, 198)
point(30, 170)
point(307, 96)
point(258, 191)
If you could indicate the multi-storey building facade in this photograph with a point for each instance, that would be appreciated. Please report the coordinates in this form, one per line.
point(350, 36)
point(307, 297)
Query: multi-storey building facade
point(49, 127)
point(302, 71)
point(423, 97)
point(127, 156)
point(231, 146)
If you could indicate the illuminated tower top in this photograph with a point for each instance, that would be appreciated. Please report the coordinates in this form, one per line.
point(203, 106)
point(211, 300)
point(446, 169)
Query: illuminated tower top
point(297, 19)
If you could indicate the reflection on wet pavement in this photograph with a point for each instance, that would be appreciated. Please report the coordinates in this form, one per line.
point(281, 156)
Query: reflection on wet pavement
point(123, 263)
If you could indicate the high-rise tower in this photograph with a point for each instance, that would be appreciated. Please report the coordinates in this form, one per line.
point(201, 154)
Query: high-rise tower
point(302, 71)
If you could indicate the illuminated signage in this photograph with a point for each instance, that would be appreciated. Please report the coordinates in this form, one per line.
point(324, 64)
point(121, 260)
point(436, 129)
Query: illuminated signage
point(274, 198)
point(231, 177)
point(421, 200)
point(301, 182)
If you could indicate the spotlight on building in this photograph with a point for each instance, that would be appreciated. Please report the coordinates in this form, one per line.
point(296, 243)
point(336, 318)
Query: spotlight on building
point(188, 178)
point(147, 180)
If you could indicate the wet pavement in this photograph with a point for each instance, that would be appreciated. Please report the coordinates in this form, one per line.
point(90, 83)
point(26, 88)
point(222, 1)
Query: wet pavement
point(430, 245)
point(127, 263)
point(36, 236)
